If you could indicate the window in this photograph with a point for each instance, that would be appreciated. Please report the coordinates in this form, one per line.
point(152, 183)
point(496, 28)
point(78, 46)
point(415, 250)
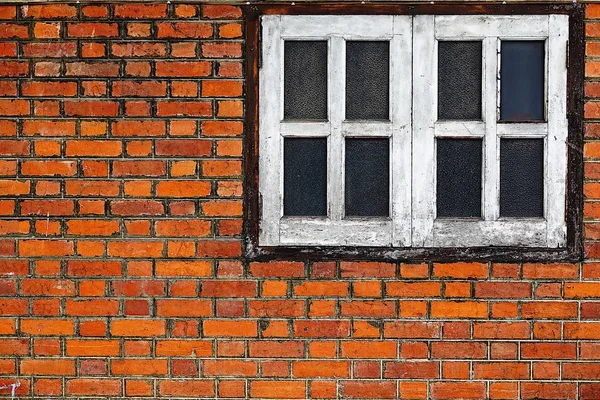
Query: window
point(426, 131)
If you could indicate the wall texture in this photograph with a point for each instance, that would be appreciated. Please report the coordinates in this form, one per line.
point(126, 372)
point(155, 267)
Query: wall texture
point(121, 269)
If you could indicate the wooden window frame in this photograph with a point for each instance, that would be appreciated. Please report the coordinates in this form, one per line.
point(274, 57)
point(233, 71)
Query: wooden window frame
point(570, 248)
point(335, 230)
point(491, 229)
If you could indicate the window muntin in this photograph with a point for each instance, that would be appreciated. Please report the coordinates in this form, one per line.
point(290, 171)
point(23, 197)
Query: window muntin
point(412, 220)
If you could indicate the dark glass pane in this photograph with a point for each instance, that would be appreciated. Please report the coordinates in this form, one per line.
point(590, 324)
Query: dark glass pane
point(305, 80)
point(459, 177)
point(459, 80)
point(367, 80)
point(522, 177)
point(304, 176)
point(367, 177)
point(522, 81)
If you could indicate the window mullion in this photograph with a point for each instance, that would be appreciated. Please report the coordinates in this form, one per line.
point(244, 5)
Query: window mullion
point(424, 116)
point(336, 100)
point(491, 176)
point(400, 160)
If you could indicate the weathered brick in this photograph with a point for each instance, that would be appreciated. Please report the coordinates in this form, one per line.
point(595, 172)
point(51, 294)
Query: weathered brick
point(140, 11)
point(192, 30)
point(92, 30)
point(48, 11)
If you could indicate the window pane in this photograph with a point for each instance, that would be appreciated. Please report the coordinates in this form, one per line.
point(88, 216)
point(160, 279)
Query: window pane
point(367, 80)
point(459, 177)
point(522, 177)
point(305, 177)
point(305, 80)
point(367, 177)
point(522, 81)
point(459, 80)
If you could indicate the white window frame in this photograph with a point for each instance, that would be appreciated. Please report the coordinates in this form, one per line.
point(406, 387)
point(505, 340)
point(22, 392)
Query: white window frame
point(491, 230)
point(412, 132)
point(334, 230)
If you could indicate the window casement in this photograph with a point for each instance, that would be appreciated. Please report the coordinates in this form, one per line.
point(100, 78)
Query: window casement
point(512, 131)
point(402, 131)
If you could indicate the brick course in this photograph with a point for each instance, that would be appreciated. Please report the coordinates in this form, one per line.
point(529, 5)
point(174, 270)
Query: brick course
point(121, 269)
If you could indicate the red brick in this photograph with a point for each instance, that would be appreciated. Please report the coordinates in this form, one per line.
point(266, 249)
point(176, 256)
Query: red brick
point(48, 89)
point(45, 248)
point(198, 348)
point(183, 147)
point(191, 30)
point(461, 270)
point(182, 189)
point(276, 308)
point(322, 288)
point(230, 368)
point(456, 309)
point(48, 128)
point(221, 11)
point(539, 390)
point(187, 388)
point(47, 367)
point(14, 107)
point(459, 350)
point(138, 128)
point(87, 348)
point(413, 289)
point(502, 290)
point(92, 30)
point(551, 351)
point(277, 269)
point(98, 108)
point(135, 249)
point(14, 347)
point(412, 370)
point(47, 287)
point(223, 328)
point(50, 49)
point(457, 390)
point(222, 128)
point(276, 349)
point(183, 69)
point(183, 308)
point(49, 11)
point(549, 310)
point(136, 327)
point(14, 68)
point(222, 88)
point(139, 88)
point(140, 11)
point(412, 330)
point(8, 12)
point(550, 271)
point(581, 371)
point(99, 308)
point(98, 387)
point(321, 369)
point(145, 367)
point(369, 349)
point(322, 329)
point(139, 49)
point(92, 69)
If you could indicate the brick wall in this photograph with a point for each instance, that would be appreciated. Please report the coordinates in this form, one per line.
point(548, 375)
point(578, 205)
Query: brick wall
point(120, 259)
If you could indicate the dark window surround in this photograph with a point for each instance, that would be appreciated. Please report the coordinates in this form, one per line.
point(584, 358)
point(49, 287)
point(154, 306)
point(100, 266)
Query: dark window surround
point(574, 249)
